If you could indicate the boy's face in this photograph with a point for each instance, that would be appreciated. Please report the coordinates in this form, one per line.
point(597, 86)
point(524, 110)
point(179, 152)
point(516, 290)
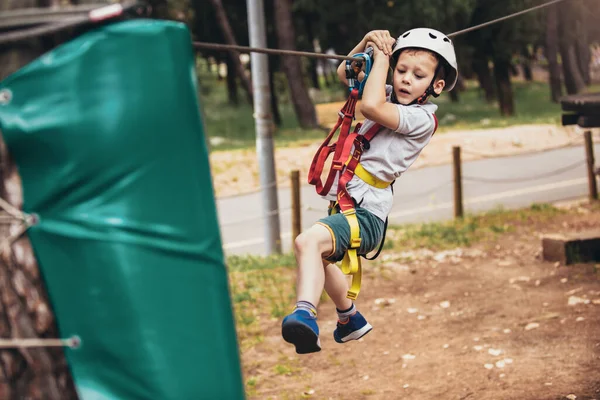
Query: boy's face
point(413, 74)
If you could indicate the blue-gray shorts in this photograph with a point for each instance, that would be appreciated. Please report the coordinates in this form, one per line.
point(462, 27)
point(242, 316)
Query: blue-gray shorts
point(371, 233)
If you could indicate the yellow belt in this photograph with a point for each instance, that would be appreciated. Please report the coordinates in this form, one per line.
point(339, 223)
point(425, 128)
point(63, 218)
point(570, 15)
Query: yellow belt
point(351, 264)
point(370, 178)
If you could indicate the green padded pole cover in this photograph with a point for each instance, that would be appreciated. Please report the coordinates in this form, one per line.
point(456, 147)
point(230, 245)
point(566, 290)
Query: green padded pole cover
point(108, 139)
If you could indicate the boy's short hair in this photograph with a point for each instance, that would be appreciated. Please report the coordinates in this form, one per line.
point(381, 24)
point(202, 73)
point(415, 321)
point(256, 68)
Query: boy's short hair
point(442, 64)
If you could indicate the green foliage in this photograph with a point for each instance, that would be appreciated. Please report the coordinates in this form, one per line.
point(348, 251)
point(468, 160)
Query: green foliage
point(503, 39)
point(532, 104)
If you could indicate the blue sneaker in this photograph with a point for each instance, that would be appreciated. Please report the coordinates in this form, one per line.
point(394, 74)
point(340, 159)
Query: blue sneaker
point(356, 327)
point(300, 328)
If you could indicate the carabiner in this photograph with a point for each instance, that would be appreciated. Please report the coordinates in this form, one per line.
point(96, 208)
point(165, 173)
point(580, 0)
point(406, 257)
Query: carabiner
point(353, 71)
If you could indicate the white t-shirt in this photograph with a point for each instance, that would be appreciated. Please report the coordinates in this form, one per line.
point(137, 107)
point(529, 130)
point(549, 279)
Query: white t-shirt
point(391, 153)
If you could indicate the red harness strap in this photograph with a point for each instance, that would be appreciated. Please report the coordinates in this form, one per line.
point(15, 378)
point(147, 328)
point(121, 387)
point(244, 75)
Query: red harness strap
point(316, 168)
point(361, 143)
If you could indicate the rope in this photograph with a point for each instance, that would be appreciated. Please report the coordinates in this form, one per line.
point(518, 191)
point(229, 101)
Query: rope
point(257, 190)
point(72, 342)
point(247, 219)
point(576, 140)
point(245, 49)
point(503, 18)
point(12, 210)
point(216, 46)
point(429, 191)
point(14, 214)
point(6, 218)
point(529, 178)
point(95, 15)
point(12, 37)
point(42, 15)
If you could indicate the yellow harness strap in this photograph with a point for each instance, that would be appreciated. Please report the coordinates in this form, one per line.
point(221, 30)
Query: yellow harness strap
point(370, 178)
point(351, 264)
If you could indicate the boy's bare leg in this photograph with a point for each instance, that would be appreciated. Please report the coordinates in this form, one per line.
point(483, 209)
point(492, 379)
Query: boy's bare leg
point(310, 247)
point(336, 286)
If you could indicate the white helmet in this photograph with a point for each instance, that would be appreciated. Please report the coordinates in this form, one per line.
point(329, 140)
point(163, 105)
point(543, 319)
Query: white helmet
point(435, 41)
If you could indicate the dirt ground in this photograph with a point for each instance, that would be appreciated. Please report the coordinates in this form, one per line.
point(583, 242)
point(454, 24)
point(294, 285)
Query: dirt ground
point(488, 322)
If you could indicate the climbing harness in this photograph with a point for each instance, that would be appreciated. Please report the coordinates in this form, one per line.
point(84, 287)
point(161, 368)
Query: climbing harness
point(346, 161)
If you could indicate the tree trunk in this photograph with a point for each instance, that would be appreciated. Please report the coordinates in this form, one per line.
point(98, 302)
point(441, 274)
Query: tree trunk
point(313, 62)
point(584, 56)
point(482, 70)
point(582, 45)
point(573, 79)
point(235, 55)
point(551, 53)
point(232, 93)
point(503, 86)
point(25, 311)
point(325, 69)
point(457, 88)
point(305, 109)
point(274, 99)
point(567, 24)
point(526, 64)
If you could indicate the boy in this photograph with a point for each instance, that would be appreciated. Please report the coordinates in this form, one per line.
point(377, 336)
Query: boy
point(424, 64)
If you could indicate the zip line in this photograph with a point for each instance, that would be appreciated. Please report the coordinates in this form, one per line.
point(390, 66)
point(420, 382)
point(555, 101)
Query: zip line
point(204, 45)
point(116, 10)
point(57, 21)
point(504, 18)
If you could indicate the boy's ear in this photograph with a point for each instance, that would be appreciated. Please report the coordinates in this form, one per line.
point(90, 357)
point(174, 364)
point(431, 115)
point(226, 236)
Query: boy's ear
point(439, 86)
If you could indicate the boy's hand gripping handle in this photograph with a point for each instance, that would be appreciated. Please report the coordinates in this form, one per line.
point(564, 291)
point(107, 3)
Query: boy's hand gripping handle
point(353, 68)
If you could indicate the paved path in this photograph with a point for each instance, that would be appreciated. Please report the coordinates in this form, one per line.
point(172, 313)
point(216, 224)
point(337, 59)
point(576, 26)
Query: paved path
point(424, 195)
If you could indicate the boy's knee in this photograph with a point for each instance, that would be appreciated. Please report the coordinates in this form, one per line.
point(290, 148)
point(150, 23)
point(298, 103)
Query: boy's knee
point(301, 241)
point(316, 238)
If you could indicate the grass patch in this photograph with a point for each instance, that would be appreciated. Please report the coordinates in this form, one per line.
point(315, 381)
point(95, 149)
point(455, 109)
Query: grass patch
point(259, 295)
point(469, 230)
point(532, 106)
point(287, 366)
point(252, 263)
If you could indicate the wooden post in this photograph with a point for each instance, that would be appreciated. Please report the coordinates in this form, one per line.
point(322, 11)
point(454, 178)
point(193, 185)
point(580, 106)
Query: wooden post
point(589, 152)
point(296, 215)
point(458, 200)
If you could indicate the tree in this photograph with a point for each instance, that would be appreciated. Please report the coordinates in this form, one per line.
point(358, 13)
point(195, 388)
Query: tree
point(231, 82)
point(582, 41)
point(25, 311)
point(305, 110)
point(308, 23)
point(500, 41)
point(525, 60)
point(551, 53)
point(481, 52)
point(234, 55)
point(567, 42)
